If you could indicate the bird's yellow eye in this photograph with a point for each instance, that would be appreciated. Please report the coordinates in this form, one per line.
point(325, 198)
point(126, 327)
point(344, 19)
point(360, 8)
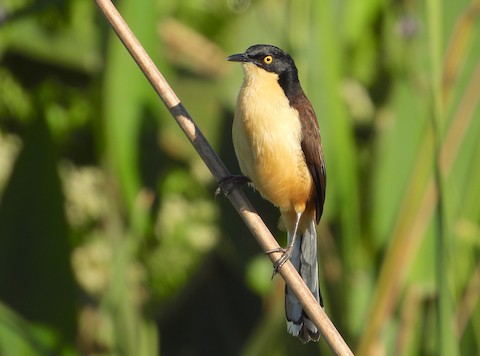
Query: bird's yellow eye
point(268, 59)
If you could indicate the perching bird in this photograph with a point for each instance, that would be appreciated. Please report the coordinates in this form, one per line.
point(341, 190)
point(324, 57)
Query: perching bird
point(277, 144)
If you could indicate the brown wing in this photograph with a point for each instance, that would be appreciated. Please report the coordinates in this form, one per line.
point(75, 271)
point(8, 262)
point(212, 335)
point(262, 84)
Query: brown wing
point(312, 150)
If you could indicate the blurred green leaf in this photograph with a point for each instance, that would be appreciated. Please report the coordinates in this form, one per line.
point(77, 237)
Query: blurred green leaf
point(258, 271)
point(19, 337)
point(34, 243)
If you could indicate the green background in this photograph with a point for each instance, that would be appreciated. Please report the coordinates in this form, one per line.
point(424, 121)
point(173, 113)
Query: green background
point(112, 241)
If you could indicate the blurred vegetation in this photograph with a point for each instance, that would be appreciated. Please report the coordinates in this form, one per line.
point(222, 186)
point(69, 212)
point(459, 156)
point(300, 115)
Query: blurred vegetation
point(111, 239)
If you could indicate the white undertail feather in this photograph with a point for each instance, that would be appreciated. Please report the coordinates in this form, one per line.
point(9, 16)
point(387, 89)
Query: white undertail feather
point(304, 258)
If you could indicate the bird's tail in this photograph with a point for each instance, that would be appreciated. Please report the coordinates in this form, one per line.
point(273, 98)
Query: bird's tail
point(304, 258)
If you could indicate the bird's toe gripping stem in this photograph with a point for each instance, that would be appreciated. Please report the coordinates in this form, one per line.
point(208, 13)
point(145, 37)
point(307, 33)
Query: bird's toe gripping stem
point(228, 184)
point(286, 254)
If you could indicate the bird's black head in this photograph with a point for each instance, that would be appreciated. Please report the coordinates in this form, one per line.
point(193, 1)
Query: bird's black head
point(274, 60)
point(268, 57)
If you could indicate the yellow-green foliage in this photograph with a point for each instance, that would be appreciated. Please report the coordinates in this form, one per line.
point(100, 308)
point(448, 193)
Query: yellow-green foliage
point(112, 241)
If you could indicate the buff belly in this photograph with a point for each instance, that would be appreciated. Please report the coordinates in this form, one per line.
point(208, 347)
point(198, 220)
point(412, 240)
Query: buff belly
point(267, 141)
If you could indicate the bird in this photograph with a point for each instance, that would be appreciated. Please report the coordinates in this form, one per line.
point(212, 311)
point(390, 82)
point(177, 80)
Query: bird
point(277, 143)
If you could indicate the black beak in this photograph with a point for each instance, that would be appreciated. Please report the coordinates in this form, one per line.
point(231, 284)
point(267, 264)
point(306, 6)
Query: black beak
point(241, 57)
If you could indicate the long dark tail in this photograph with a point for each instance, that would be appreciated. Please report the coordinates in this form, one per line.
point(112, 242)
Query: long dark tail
point(304, 258)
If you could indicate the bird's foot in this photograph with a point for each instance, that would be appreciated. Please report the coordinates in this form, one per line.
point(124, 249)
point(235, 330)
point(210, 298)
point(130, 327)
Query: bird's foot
point(286, 254)
point(228, 184)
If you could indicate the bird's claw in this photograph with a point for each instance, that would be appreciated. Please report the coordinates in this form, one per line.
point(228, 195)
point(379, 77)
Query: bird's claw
point(286, 254)
point(228, 184)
